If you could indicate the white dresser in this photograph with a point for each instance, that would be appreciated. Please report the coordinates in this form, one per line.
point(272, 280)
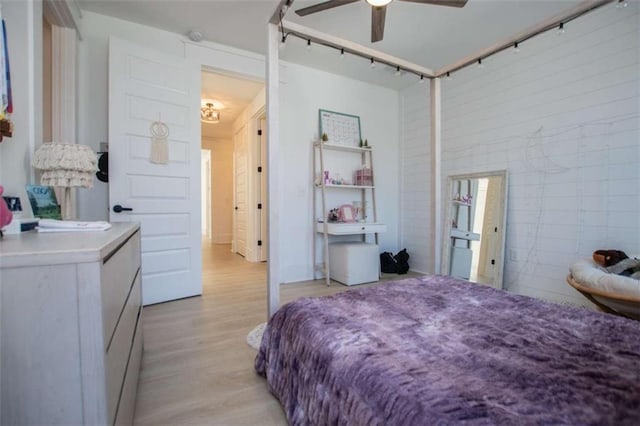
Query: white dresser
point(70, 326)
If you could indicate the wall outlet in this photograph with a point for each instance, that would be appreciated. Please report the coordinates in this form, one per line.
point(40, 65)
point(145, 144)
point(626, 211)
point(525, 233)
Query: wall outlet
point(513, 255)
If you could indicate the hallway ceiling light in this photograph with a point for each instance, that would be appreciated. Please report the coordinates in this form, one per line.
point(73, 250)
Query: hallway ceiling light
point(208, 114)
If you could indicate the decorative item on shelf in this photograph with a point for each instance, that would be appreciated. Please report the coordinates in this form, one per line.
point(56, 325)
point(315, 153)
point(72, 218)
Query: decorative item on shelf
point(363, 177)
point(325, 137)
point(359, 208)
point(333, 215)
point(337, 180)
point(5, 214)
point(18, 224)
point(346, 213)
point(366, 144)
point(66, 166)
point(361, 143)
point(6, 128)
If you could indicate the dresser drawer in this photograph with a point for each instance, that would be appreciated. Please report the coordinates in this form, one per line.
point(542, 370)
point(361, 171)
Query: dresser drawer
point(117, 274)
point(127, 405)
point(118, 352)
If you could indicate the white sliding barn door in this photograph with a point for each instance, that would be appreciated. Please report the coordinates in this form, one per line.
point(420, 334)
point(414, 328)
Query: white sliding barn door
point(147, 86)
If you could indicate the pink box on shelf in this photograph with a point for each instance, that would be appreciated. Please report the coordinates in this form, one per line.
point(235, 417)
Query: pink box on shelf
point(363, 177)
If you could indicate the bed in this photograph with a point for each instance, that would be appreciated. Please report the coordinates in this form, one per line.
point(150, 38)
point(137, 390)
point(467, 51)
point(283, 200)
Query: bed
point(437, 350)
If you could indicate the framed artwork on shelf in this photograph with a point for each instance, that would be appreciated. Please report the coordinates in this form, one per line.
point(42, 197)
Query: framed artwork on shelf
point(341, 129)
point(346, 213)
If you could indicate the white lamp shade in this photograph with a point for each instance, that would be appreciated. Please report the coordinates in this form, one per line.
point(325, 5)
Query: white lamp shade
point(66, 165)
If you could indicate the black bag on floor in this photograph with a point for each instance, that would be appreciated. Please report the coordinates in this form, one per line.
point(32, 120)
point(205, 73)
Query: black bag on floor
point(402, 260)
point(388, 263)
point(398, 264)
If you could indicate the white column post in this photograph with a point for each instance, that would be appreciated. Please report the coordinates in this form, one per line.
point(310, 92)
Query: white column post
point(436, 173)
point(273, 177)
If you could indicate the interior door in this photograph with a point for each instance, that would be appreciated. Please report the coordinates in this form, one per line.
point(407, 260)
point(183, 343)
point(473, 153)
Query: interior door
point(147, 86)
point(262, 232)
point(240, 170)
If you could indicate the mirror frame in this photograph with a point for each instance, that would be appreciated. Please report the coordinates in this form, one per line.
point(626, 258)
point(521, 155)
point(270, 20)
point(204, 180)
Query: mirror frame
point(446, 237)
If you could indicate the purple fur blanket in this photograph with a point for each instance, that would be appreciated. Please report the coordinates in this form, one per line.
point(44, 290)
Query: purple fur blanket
point(437, 350)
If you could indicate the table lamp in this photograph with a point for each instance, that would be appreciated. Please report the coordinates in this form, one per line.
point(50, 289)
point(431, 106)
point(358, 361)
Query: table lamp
point(65, 166)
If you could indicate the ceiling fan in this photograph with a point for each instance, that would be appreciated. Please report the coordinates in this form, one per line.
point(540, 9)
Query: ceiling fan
point(378, 11)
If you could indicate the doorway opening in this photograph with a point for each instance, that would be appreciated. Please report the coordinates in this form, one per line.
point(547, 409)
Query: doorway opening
point(234, 189)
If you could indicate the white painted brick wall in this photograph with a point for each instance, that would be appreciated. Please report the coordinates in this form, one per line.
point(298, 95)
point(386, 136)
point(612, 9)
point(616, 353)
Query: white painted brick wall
point(415, 177)
point(563, 117)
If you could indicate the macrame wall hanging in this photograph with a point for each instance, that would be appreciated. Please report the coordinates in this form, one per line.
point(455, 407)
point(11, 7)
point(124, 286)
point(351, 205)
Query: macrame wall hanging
point(159, 143)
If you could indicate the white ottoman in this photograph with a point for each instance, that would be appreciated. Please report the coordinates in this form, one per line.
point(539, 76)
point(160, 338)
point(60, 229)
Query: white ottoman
point(354, 262)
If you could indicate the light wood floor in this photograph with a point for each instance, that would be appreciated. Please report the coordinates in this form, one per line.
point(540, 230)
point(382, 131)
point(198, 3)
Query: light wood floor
point(197, 367)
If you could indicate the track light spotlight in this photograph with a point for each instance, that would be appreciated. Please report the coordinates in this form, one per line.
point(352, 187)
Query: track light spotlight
point(561, 28)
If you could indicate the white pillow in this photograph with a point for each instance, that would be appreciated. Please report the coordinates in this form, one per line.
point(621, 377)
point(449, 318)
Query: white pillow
point(590, 274)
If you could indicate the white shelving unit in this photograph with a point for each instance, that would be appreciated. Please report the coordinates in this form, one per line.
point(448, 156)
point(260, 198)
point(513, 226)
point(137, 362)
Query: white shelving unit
point(366, 193)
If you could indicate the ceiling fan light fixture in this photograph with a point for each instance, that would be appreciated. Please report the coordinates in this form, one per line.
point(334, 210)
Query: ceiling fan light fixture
point(378, 3)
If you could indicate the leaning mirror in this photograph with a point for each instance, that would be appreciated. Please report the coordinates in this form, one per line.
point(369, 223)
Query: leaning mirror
point(473, 243)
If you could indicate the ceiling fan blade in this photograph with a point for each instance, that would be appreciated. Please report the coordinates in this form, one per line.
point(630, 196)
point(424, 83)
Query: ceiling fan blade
point(452, 3)
point(378, 14)
point(322, 6)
